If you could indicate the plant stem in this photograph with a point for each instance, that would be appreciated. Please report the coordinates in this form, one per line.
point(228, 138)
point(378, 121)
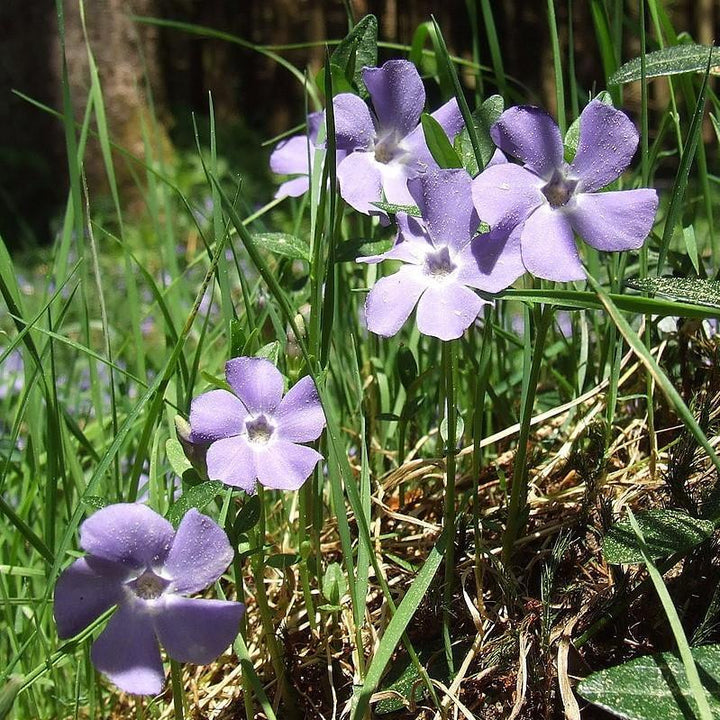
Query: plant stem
point(518, 494)
point(448, 353)
point(266, 617)
point(177, 689)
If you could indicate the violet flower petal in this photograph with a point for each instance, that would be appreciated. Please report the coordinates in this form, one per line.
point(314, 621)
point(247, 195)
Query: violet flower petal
point(127, 652)
point(492, 262)
point(290, 157)
point(293, 188)
point(284, 465)
point(612, 221)
point(446, 311)
point(256, 381)
point(232, 461)
point(214, 415)
point(608, 140)
point(445, 201)
point(505, 194)
point(451, 121)
point(548, 246)
point(354, 127)
point(360, 181)
point(531, 135)
point(397, 95)
point(300, 416)
point(395, 184)
point(197, 630)
point(392, 299)
point(199, 555)
point(84, 592)
point(128, 533)
point(498, 158)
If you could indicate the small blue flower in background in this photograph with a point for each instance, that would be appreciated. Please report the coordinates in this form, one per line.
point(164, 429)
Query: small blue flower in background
point(387, 148)
point(138, 562)
point(253, 432)
point(546, 200)
point(444, 261)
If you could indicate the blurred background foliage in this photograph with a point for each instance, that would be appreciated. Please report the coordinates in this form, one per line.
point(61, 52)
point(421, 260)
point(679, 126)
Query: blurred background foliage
point(254, 98)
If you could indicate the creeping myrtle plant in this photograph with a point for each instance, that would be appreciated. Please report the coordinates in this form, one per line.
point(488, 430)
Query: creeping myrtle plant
point(253, 432)
point(138, 562)
point(548, 199)
point(445, 259)
point(386, 147)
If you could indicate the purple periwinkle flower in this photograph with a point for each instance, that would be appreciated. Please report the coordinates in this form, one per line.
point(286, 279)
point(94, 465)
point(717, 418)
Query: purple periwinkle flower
point(290, 157)
point(386, 148)
point(548, 199)
point(444, 261)
point(138, 562)
point(254, 432)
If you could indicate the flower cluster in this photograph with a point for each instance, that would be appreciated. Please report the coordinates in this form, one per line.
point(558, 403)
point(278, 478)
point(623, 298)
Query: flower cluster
point(533, 209)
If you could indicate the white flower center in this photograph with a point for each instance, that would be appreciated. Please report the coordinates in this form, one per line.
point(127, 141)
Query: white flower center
point(259, 430)
point(388, 149)
point(560, 189)
point(149, 586)
point(438, 263)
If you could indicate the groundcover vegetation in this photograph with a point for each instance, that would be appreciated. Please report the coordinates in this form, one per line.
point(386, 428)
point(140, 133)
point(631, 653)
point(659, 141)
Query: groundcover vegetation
point(430, 434)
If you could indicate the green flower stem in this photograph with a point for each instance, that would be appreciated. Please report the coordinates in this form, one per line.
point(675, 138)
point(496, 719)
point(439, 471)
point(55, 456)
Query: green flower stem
point(518, 494)
point(305, 524)
point(266, 617)
point(177, 690)
point(448, 357)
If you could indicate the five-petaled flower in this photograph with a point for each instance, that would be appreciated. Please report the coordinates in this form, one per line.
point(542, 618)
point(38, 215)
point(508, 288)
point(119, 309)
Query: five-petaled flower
point(386, 148)
point(445, 259)
point(547, 199)
point(138, 562)
point(253, 432)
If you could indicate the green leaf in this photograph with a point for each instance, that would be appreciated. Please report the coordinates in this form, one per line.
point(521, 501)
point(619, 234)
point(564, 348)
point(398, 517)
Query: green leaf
point(357, 50)
point(176, 456)
point(483, 119)
point(270, 352)
point(283, 560)
point(354, 248)
point(438, 143)
point(283, 244)
point(392, 209)
point(666, 532)
point(248, 516)
point(669, 61)
point(196, 497)
point(654, 686)
point(334, 585)
point(691, 247)
point(687, 290)
point(407, 366)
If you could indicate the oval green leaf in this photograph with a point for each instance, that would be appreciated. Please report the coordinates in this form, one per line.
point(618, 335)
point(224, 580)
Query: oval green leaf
point(196, 497)
point(666, 532)
point(283, 244)
point(654, 686)
point(669, 61)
